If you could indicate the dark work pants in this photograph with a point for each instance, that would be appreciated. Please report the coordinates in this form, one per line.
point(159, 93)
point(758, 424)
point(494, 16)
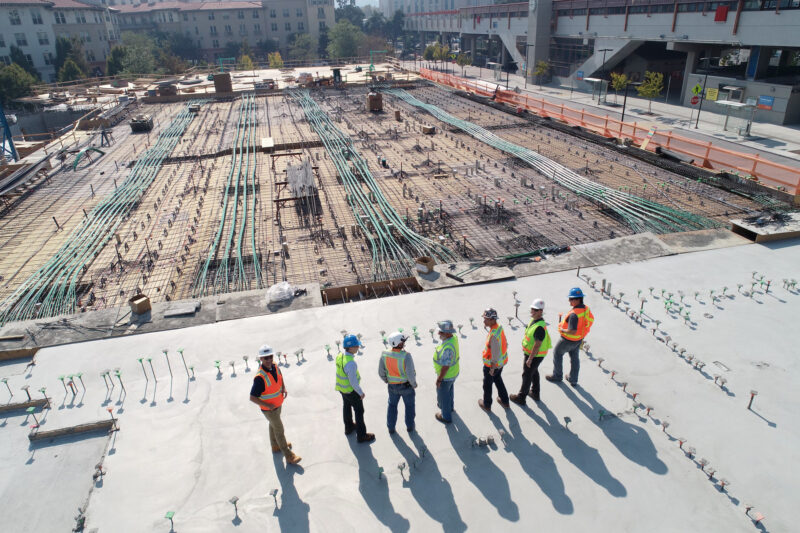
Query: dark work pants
point(351, 402)
point(530, 377)
point(497, 380)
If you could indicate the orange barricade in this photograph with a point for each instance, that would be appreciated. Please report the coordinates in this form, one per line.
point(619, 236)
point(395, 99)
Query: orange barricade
point(704, 153)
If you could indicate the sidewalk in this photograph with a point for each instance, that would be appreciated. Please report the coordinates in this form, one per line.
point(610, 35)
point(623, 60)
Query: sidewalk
point(773, 142)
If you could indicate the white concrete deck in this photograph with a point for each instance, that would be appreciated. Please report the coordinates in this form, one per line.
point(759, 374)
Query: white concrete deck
point(189, 446)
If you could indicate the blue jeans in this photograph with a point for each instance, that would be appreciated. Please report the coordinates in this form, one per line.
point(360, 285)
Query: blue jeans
point(445, 394)
point(396, 392)
point(573, 348)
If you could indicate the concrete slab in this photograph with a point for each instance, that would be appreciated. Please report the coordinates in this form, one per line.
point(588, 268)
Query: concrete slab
point(438, 279)
point(769, 228)
point(553, 263)
point(696, 241)
point(190, 445)
point(628, 249)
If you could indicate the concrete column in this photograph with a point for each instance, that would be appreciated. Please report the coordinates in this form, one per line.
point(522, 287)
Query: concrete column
point(758, 63)
point(539, 32)
point(691, 61)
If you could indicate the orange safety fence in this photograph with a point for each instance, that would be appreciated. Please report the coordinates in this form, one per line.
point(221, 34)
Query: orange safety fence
point(704, 153)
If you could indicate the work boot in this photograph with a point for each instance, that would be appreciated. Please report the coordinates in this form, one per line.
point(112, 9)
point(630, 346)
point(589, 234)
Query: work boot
point(552, 379)
point(293, 459)
point(368, 437)
point(276, 449)
point(534, 396)
point(349, 430)
point(487, 409)
point(505, 405)
point(441, 419)
point(517, 398)
point(391, 431)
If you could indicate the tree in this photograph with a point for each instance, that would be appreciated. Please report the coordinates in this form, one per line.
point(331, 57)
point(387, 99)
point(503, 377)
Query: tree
point(429, 53)
point(245, 63)
point(231, 49)
point(115, 61)
point(395, 26)
point(376, 24)
point(651, 87)
point(170, 63)
point(441, 52)
point(18, 57)
point(275, 60)
point(618, 83)
point(265, 47)
point(181, 45)
point(70, 49)
point(15, 82)
point(351, 13)
point(322, 44)
point(70, 72)
point(344, 39)
point(302, 46)
point(542, 68)
point(245, 49)
point(140, 56)
point(463, 60)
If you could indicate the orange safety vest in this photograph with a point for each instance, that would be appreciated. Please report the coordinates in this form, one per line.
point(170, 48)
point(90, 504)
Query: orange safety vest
point(498, 333)
point(395, 364)
point(585, 321)
point(273, 389)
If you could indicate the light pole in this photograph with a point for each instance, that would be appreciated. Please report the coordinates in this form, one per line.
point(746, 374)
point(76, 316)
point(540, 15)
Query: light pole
point(703, 94)
point(603, 72)
point(527, 62)
point(625, 98)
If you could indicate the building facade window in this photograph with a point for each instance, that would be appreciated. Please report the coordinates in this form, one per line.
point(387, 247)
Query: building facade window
point(213, 30)
point(255, 14)
point(240, 14)
point(228, 30)
point(286, 13)
point(211, 16)
point(242, 29)
point(21, 39)
point(215, 43)
point(288, 26)
point(273, 14)
point(299, 12)
point(301, 26)
point(2, 42)
point(6, 60)
point(257, 28)
point(274, 26)
point(322, 25)
point(186, 17)
point(42, 36)
point(13, 17)
point(60, 18)
point(80, 18)
point(36, 16)
point(320, 12)
point(48, 58)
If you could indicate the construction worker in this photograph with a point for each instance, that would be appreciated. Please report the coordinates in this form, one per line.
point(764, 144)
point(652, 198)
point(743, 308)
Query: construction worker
point(445, 364)
point(348, 380)
point(268, 393)
point(573, 329)
point(495, 357)
point(397, 369)
point(535, 345)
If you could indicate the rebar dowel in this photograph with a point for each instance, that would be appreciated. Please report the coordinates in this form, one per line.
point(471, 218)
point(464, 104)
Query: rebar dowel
point(141, 362)
point(180, 351)
point(169, 366)
point(150, 361)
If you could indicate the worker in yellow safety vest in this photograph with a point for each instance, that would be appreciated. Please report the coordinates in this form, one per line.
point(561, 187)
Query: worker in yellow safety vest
point(535, 345)
point(445, 364)
point(573, 329)
point(396, 368)
point(268, 392)
point(348, 383)
point(495, 357)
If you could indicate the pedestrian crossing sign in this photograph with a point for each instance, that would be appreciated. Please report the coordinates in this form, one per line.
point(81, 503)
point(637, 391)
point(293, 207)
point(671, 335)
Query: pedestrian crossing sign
point(697, 89)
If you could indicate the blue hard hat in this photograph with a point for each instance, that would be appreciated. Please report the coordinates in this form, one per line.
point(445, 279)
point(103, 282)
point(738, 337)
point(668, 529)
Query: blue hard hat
point(575, 292)
point(350, 341)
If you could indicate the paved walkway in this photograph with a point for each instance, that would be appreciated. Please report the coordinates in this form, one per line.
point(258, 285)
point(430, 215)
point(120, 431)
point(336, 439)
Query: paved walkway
point(776, 143)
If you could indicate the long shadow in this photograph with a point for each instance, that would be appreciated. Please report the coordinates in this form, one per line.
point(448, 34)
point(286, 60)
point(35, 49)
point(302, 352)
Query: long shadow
point(580, 454)
point(481, 471)
point(428, 487)
point(631, 440)
point(293, 512)
point(374, 490)
point(538, 464)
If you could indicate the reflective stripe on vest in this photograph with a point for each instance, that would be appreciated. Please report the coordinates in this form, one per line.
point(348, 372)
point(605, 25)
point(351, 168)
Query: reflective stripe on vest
point(528, 341)
point(342, 381)
point(273, 390)
point(452, 371)
point(498, 333)
point(395, 364)
point(585, 321)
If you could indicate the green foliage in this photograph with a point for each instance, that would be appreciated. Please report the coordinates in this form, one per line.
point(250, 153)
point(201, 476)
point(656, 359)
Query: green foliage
point(429, 53)
point(345, 39)
point(170, 63)
point(394, 26)
point(275, 60)
point(376, 24)
point(350, 13)
point(245, 63)
point(115, 60)
point(542, 67)
point(18, 57)
point(267, 46)
point(245, 50)
point(463, 60)
point(322, 44)
point(70, 49)
point(618, 83)
point(15, 82)
point(70, 71)
point(140, 56)
point(651, 87)
point(302, 46)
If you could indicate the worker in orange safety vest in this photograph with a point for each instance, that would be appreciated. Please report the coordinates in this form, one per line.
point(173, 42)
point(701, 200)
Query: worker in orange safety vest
point(495, 357)
point(396, 368)
point(573, 329)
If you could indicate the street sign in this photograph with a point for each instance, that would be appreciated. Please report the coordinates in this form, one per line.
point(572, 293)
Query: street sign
point(697, 89)
point(766, 102)
point(712, 94)
point(695, 100)
point(579, 75)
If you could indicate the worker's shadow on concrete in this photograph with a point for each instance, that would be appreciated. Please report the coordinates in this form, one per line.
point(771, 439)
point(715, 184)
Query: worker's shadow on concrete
point(577, 452)
point(293, 512)
point(374, 489)
point(631, 440)
point(428, 487)
point(481, 471)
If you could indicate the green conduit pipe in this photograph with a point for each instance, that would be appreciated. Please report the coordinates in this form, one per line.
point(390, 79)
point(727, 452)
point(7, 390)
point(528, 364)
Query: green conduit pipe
point(54, 284)
point(640, 214)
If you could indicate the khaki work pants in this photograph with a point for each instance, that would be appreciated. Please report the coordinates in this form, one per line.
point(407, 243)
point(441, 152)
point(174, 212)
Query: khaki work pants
point(276, 437)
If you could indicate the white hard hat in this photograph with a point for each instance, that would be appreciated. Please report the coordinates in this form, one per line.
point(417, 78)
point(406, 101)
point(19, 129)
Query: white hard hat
point(265, 351)
point(538, 304)
point(396, 339)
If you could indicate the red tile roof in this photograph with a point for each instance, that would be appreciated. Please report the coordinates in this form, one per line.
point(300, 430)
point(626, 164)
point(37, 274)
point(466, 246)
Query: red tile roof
point(72, 4)
point(184, 6)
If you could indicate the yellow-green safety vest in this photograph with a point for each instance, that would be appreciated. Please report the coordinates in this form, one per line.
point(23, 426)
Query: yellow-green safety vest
point(528, 341)
point(452, 372)
point(342, 381)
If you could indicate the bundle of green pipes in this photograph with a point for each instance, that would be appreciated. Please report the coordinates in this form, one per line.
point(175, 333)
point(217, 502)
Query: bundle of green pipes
point(377, 218)
point(640, 214)
point(52, 288)
point(241, 176)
